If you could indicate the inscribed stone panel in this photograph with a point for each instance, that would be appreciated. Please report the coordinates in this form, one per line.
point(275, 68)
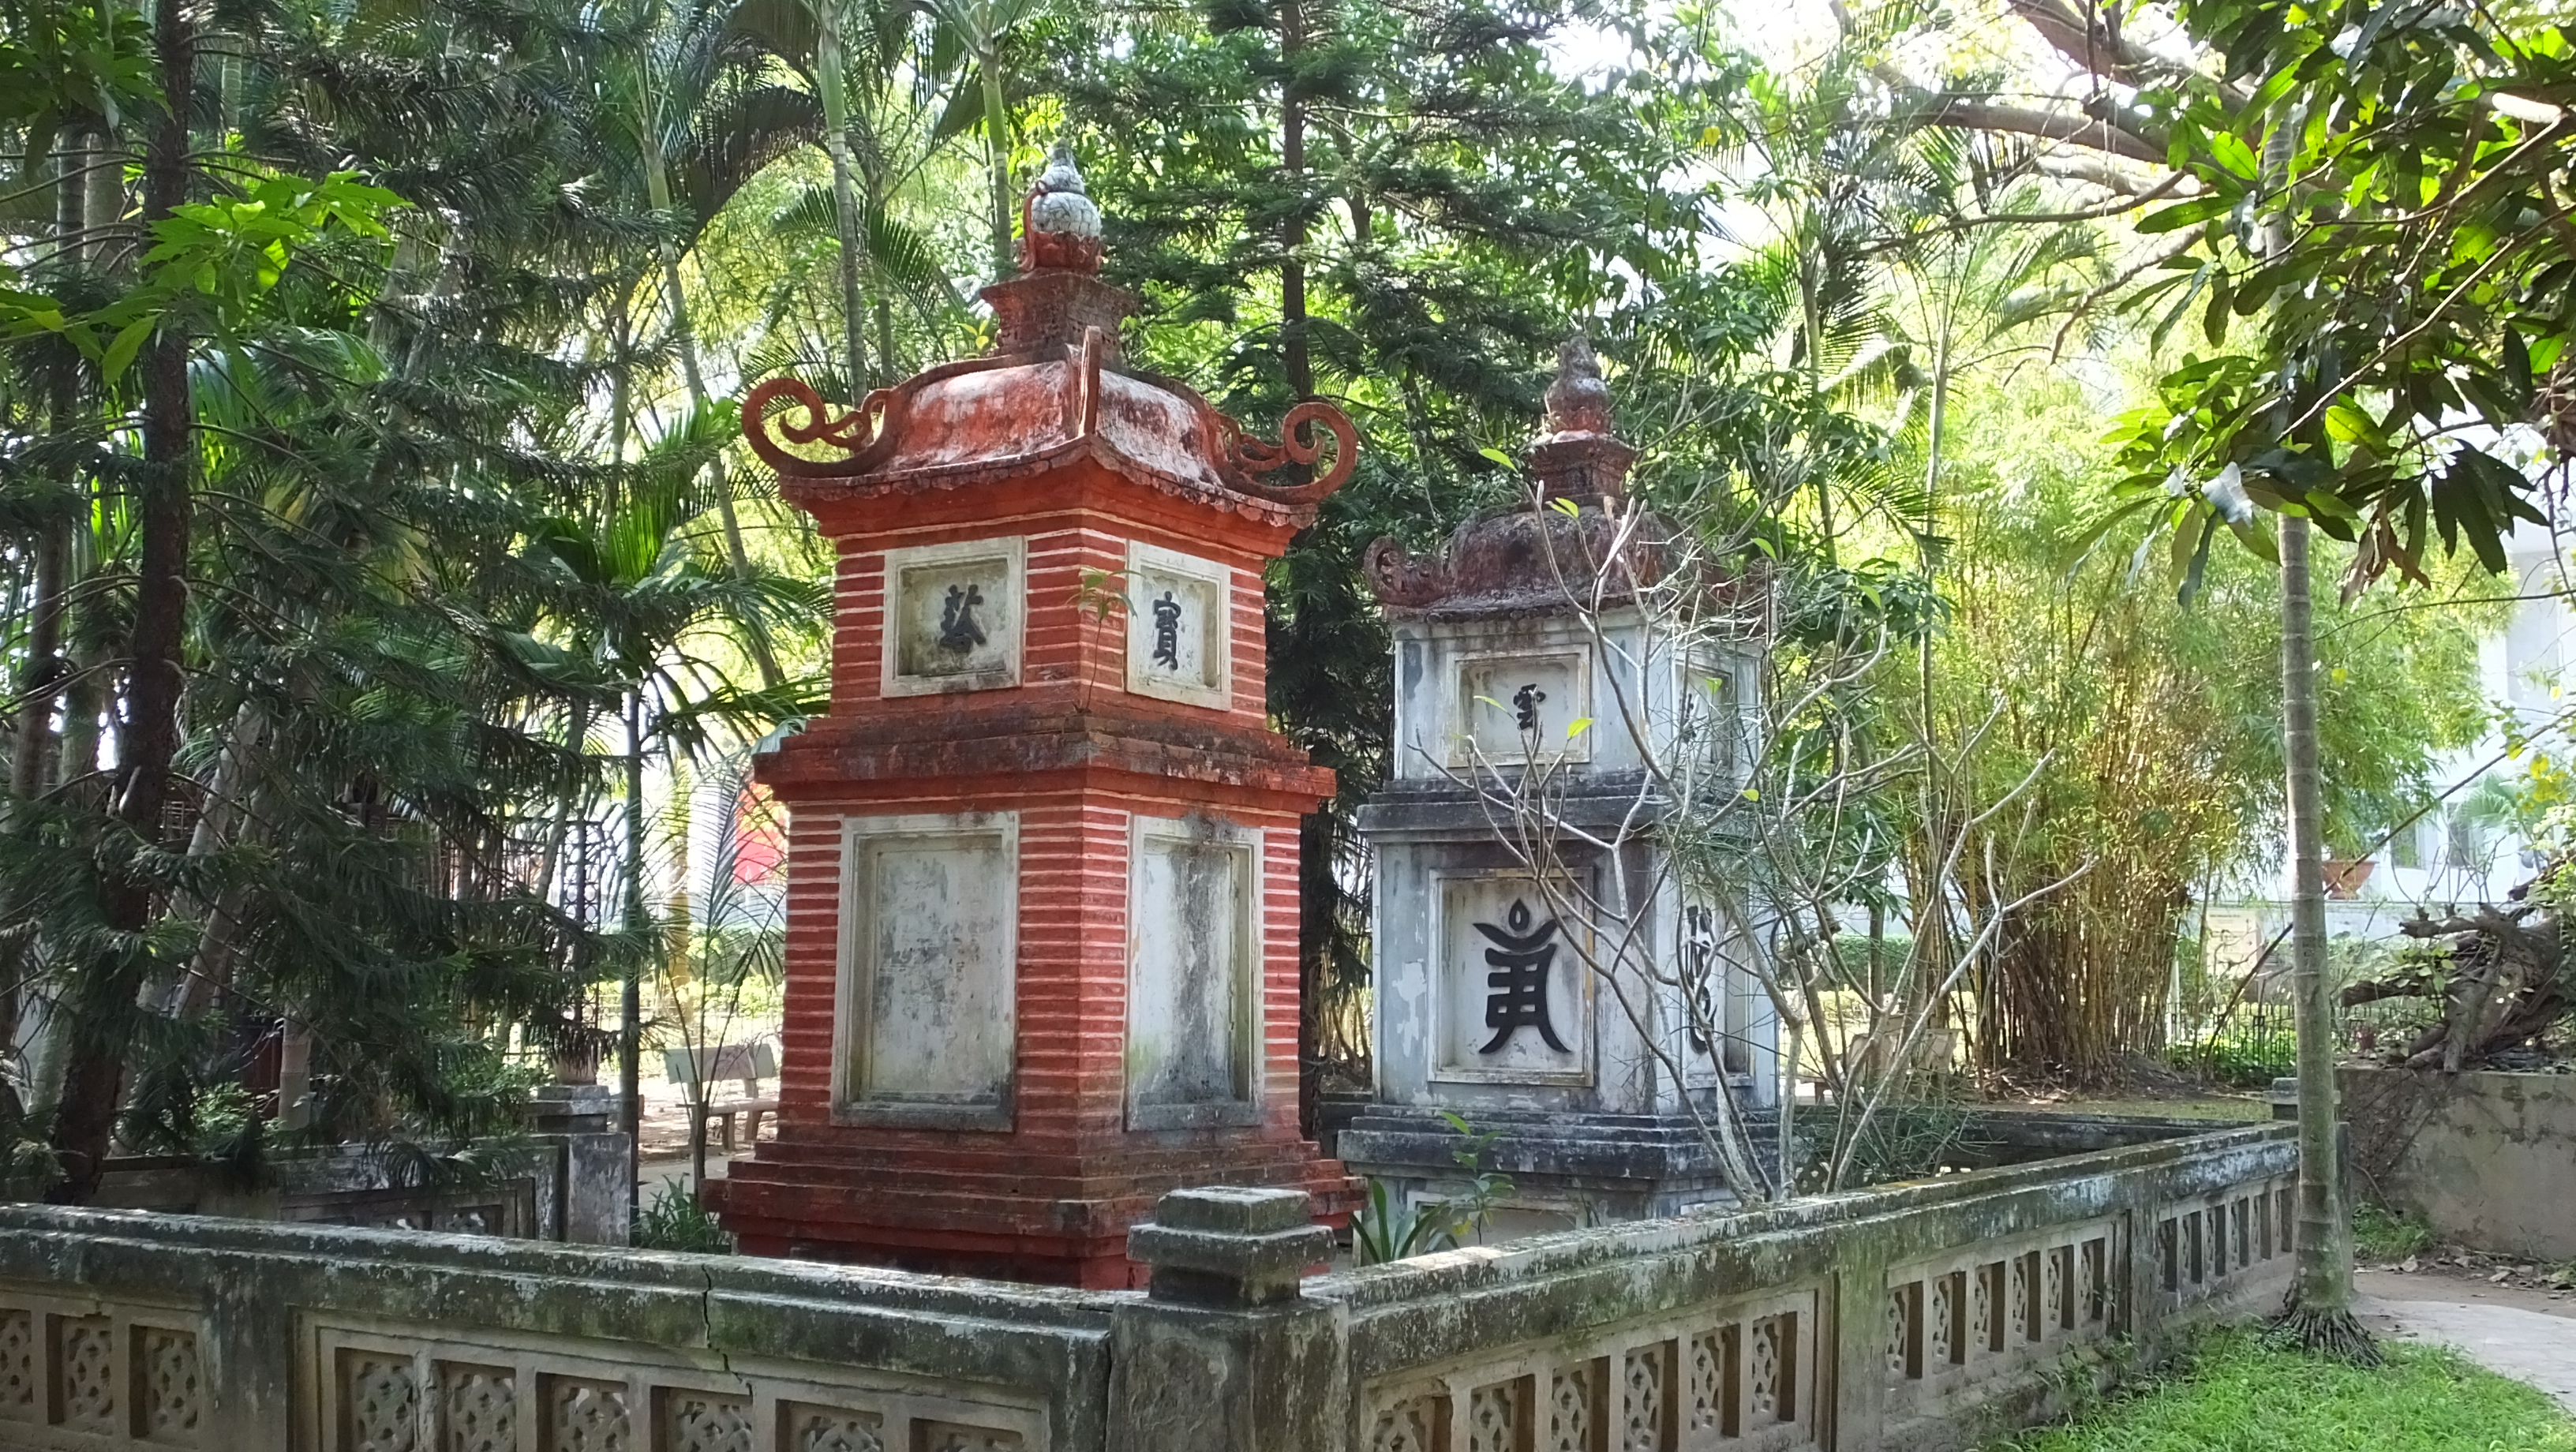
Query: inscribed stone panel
point(953, 616)
point(1715, 1028)
point(1503, 704)
point(1193, 1006)
point(1711, 715)
point(1513, 1000)
point(930, 924)
point(1179, 644)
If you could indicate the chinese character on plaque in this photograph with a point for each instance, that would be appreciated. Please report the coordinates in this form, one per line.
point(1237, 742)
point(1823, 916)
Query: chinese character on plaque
point(1176, 627)
point(1520, 958)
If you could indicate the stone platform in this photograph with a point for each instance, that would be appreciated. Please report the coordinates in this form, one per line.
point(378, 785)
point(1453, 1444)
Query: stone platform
point(1589, 1169)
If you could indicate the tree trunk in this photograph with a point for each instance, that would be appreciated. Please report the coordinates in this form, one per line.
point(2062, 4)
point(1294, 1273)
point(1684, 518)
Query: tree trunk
point(1292, 160)
point(997, 138)
point(658, 189)
point(2319, 1309)
point(190, 988)
point(630, 1031)
point(845, 201)
point(30, 769)
point(102, 1004)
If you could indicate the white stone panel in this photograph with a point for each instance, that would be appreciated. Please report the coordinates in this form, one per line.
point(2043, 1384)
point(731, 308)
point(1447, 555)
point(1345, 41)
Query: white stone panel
point(1194, 955)
point(1512, 1000)
point(953, 616)
point(1503, 704)
point(1179, 627)
point(929, 942)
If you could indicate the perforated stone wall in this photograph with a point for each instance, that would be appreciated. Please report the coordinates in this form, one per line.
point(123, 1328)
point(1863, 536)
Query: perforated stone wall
point(1924, 1317)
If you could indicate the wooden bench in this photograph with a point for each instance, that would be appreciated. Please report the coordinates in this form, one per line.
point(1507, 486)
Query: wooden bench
point(696, 1071)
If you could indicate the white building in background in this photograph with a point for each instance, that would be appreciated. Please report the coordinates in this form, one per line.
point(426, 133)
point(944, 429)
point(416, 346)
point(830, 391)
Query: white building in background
point(2467, 849)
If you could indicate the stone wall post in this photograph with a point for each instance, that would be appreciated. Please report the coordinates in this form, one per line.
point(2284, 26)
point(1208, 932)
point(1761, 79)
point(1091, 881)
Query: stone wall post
point(1225, 1352)
point(587, 1203)
point(1851, 1393)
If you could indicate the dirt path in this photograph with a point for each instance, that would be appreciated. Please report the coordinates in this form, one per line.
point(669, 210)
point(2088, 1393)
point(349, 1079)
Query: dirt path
point(2520, 1332)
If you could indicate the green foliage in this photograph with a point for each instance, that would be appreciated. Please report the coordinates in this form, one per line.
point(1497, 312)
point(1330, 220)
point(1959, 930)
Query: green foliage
point(2154, 727)
point(448, 506)
point(674, 1220)
point(2383, 1235)
point(2377, 203)
point(2239, 1057)
point(1912, 1141)
point(1383, 1232)
point(66, 60)
point(217, 259)
point(2234, 1393)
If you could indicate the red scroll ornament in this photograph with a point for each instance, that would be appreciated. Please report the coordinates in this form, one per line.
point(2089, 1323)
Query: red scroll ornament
point(1297, 445)
point(866, 433)
point(863, 433)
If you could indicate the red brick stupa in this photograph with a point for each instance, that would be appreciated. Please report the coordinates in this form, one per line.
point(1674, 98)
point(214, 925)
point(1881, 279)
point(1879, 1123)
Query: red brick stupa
point(1042, 871)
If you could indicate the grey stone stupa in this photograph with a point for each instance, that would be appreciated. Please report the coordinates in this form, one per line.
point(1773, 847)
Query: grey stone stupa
point(1482, 1010)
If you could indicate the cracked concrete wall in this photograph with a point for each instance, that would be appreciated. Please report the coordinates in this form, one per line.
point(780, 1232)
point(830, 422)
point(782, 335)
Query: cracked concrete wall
point(2487, 1159)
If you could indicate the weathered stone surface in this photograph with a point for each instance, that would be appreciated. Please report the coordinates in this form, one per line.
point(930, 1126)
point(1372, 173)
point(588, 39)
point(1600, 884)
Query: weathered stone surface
point(1229, 1247)
point(2487, 1159)
point(1193, 1003)
point(928, 981)
point(1919, 1316)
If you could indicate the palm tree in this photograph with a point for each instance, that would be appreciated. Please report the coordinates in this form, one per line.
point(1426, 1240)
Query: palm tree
point(879, 92)
point(689, 86)
point(2319, 1309)
point(635, 604)
point(978, 32)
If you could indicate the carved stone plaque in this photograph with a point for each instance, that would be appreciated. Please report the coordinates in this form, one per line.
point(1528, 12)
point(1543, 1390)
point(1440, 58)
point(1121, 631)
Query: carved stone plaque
point(1513, 996)
point(1711, 717)
point(1193, 952)
point(953, 616)
point(1179, 640)
point(1507, 706)
point(929, 944)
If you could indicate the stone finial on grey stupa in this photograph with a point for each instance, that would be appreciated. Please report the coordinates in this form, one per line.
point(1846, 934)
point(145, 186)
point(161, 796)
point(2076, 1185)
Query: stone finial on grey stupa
point(1578, 458)
point(1513, 561)
point(1578, 402)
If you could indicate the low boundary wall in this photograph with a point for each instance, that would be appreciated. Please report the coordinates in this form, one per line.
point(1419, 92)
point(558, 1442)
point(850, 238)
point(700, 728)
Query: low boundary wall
point(1917, 1316)
point(2487, 1159)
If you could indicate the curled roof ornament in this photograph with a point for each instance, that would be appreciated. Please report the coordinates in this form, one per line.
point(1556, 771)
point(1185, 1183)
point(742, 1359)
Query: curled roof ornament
point(1055, 389)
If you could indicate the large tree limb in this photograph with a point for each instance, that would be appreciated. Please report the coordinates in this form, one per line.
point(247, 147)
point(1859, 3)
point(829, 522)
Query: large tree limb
point(2092, 43)
point(2101, 172)
point(2094, 131)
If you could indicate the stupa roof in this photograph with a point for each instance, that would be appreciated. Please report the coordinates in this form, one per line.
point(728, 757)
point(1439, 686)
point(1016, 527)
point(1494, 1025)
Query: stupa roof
point(1055, 391)
point(1561, 545)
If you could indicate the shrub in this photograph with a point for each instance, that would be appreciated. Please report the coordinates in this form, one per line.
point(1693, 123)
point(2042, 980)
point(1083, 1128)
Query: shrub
point(2382, 1234)
point(676, 1221)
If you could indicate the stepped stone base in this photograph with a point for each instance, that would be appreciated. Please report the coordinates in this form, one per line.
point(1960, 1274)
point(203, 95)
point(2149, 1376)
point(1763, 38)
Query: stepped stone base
point(1054, 1215)
point(1580, 1169)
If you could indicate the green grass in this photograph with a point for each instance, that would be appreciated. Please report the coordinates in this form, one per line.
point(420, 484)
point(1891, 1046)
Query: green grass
point(675, 1221)
point(2238, 1396)
point(2382, 1235)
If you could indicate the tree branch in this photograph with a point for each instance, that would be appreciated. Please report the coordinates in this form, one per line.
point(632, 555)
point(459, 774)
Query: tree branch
point(2093, 132)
